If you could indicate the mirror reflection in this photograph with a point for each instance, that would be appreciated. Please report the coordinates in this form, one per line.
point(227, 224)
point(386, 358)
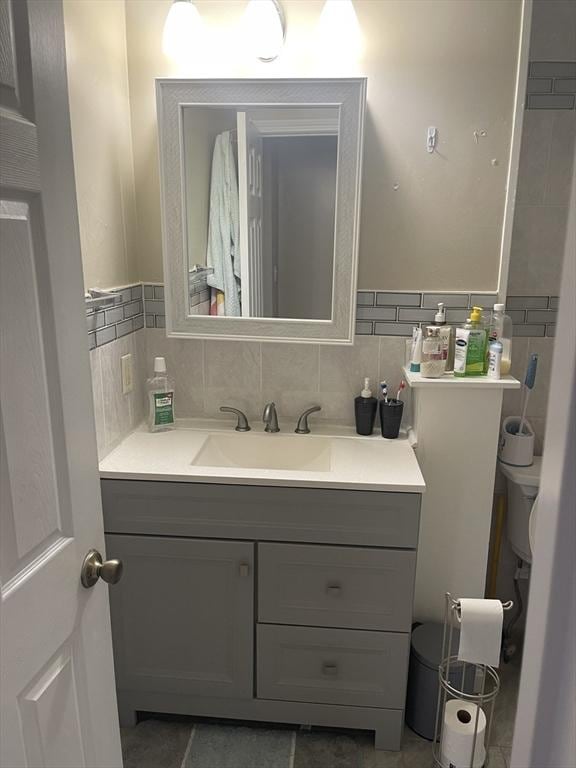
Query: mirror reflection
point(260, 194)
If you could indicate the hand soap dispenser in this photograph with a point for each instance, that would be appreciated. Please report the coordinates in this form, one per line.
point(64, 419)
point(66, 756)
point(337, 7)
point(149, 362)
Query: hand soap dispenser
point(471, 346)
point(446, 335)
point(365, 407)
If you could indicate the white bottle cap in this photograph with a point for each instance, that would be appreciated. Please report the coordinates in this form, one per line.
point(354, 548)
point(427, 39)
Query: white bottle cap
point(440, 316)
point(498, 307)
point(366, 392)
point(159, 365)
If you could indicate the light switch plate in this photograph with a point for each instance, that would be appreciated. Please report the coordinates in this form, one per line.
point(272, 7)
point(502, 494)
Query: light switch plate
point(127, 374)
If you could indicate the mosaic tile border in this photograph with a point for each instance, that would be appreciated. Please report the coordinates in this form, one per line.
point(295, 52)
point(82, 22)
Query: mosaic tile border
point(391, 313)
point(551, 85)
point(533, 315)
point(378, 313)
point(125, 316)
point(154, 307)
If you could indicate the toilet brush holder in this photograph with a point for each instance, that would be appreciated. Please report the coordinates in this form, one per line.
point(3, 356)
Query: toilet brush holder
point(516, 449)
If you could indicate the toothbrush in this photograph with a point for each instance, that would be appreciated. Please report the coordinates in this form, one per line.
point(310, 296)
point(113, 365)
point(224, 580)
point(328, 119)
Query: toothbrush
point(384, 391)
point(528, 385)
point(400, 388)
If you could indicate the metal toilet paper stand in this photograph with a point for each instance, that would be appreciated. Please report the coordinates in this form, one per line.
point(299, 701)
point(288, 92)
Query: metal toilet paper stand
point(486, 681)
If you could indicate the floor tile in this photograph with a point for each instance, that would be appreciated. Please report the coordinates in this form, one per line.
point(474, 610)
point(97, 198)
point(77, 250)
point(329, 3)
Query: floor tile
point(327, 749)
point(496, 758)
point(505, 705)
point(416, 754)
point(222, 746)
point(155, 743)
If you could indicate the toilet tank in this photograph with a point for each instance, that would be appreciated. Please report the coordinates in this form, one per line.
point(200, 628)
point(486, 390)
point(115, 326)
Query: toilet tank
point(518, 518)
point(523, 486)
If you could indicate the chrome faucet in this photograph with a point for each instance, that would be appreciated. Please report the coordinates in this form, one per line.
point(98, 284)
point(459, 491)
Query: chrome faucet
point(303, 428)
point(270, 418)
point(242, 423)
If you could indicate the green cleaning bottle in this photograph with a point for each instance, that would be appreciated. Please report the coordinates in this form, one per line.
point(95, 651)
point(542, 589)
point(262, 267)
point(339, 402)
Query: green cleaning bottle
point(160, 398)
point(471, 345)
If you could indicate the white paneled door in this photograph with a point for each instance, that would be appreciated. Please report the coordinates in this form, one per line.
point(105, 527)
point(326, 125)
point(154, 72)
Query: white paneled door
point(250, 205)
point(58, 704)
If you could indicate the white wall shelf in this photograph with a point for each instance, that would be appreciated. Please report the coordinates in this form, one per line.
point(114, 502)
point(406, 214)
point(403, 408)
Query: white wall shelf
point(468, 382)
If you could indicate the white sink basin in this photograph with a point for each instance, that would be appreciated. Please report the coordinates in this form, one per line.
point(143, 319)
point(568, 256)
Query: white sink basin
point(258, 451)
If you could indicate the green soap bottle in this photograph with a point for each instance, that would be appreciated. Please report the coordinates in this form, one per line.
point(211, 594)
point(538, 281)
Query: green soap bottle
point(470, 350)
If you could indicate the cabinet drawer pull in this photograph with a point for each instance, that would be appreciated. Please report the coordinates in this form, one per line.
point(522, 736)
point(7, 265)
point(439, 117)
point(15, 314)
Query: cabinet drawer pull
point(244, 569)
point(329, 669)
point(334, 589)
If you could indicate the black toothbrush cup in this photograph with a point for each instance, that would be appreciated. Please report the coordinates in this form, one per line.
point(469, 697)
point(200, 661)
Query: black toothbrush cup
point(390, 417)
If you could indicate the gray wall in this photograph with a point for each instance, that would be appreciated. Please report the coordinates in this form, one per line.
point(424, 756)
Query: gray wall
point(306, 200)
point(540, 225)
point(543, 198)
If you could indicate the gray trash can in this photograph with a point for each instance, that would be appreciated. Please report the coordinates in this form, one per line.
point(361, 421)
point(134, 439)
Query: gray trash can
point(422, 696)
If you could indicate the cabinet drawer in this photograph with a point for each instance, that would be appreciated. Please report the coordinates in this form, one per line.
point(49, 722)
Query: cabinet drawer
point(332, 666)
point(336, 586)
point(311, 515)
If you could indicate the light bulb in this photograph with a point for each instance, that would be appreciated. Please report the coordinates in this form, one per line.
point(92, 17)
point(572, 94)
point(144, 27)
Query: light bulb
point(183, 31)
point(264, 29)
point(339, 31)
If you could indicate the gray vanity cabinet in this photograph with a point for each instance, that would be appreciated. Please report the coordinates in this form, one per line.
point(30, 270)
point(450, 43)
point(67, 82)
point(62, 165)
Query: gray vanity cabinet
point(288, 605)
point(182, 616)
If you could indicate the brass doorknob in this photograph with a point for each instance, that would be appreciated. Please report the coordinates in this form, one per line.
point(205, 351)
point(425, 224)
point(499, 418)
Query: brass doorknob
point(93, 569)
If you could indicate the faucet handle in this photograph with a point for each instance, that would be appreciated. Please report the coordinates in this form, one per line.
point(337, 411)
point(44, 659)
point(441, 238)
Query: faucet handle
point(302, 427)
point(242, 424)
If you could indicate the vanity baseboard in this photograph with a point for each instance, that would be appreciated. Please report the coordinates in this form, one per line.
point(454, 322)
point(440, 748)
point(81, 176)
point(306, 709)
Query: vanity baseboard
point(289, 605)
point(387, 724)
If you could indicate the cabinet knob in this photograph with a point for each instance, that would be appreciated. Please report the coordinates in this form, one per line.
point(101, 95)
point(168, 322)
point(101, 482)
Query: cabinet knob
point(334, 589)
point(244, 569)
point(329, 669)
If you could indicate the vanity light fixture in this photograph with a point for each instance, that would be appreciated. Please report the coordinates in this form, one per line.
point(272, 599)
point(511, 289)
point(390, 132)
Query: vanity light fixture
point(339, 31)
point(182, 30)
point(264, 26)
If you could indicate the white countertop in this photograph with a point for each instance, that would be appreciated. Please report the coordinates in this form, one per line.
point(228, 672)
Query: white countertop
point(357, 463)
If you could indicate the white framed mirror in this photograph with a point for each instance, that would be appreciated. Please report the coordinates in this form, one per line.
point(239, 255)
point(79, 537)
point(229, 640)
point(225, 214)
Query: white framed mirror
point(260, 186)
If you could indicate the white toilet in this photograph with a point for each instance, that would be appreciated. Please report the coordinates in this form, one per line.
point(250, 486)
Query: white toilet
point(523, 486)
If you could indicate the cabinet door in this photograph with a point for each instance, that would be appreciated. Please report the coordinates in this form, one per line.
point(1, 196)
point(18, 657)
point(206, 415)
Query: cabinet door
point(182, 616)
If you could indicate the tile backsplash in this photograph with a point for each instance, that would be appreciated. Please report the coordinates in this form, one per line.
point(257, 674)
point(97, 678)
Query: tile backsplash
point(210, 373)
point(551, 85)
point(247, 375)
point(116, 413)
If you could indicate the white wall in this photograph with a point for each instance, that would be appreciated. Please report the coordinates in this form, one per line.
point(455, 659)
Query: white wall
point(431, 222)
point(201, 126)
point(102, 140)
point(102, 147)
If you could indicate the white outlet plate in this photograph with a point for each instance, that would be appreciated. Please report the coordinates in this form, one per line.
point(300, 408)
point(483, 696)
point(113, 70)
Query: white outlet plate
point(127, 374)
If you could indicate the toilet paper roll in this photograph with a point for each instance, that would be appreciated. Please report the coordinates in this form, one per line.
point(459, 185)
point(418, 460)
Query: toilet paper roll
point(480, 631)
point(458, 735)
